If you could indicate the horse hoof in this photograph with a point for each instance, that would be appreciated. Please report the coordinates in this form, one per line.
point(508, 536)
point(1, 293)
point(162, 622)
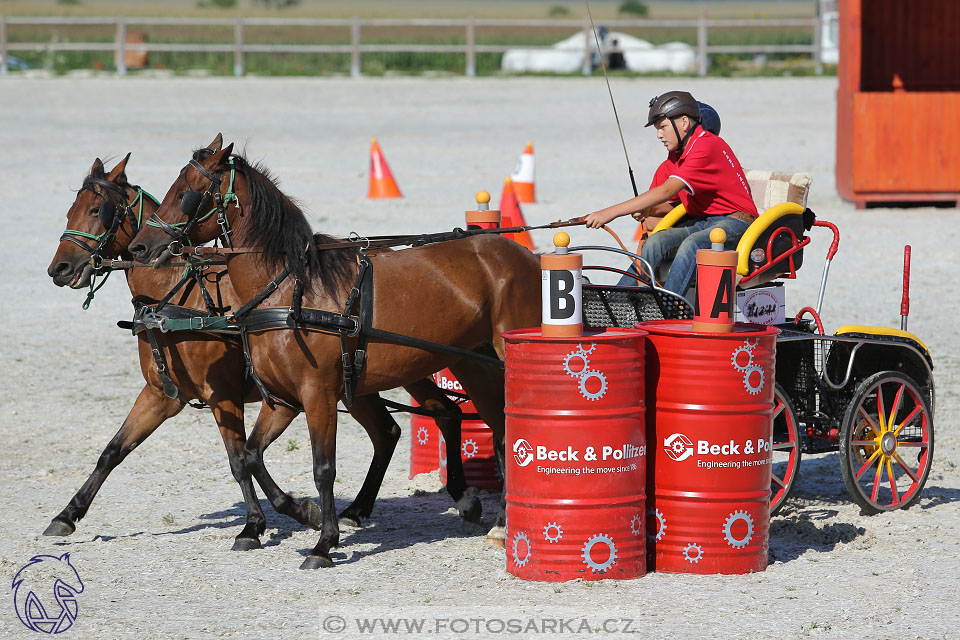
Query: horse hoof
point(313, 518)
point(245, 544)
point(316, 562)
point(470, 508)
point(497, 537)
point(59, 528)
point(349, 522)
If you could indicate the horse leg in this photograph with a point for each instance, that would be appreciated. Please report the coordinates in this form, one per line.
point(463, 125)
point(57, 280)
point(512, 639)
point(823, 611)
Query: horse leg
point(430, 397)
point(384, 432)
point(484, 385)
point(149, 411)
point(270, 424)
point(322, 424)
point(229, 417)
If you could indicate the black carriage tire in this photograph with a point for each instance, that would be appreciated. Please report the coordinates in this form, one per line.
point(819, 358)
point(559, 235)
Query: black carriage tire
point(786, 437)
point(856, 453)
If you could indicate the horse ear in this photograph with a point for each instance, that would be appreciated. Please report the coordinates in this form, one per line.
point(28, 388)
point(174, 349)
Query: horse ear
point(120, 171)
point(216, 144)
point(96, 169)
point(219, 158)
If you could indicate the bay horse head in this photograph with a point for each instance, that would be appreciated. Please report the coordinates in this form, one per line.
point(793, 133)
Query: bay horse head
point(193, 211)
point(104, 217)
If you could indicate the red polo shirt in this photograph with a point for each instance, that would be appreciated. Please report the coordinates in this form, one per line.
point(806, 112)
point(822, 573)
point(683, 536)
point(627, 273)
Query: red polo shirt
point(715, 182)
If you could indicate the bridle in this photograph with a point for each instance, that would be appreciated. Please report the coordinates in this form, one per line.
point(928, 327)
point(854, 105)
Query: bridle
point(193, 204)
point(107, 213)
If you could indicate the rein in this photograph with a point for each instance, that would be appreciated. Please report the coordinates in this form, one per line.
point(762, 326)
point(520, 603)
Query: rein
point(177, 248)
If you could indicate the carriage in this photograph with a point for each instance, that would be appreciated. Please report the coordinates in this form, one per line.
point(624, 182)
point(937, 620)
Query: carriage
point(866, 392)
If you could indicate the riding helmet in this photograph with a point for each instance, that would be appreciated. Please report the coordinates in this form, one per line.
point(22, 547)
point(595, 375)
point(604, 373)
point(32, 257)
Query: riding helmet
point(673, 104)
point(709, 118)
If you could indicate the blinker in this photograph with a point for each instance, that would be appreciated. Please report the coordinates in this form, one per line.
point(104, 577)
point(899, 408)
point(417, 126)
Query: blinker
point(191, 202)
point(107, 213)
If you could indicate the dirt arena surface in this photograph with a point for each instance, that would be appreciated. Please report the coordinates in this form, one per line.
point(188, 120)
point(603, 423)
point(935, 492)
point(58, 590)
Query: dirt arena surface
point(154, 550)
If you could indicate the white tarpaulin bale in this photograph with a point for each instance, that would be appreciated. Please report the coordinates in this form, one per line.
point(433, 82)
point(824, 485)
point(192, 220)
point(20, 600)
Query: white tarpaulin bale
point(567, 55)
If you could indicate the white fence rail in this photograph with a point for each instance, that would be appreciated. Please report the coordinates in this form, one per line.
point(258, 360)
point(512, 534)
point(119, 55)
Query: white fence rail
point(356, 48)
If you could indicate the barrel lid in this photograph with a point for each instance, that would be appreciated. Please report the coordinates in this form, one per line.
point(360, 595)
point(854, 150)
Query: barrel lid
point(610, 334)
point(740, 331)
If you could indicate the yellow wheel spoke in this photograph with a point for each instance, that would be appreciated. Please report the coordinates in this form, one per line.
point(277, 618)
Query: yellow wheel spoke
point(868, 463)
point(913, 414)
point(876, 482)
point(913, 445)
point(893, 482)
point(881, 414)
point(903, 465)
point(873, 425)
point(892, 420)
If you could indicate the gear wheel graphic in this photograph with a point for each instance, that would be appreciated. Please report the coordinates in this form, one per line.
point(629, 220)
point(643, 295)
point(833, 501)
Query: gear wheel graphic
point(590, 350)
point(679, 446)
point(576, 354)
point(583, 385)
point(728, 529)
point(442, 449)
point(423, 436)
point(661, 525)
point(636, 525)
point(517, 539)
point(552, 538)
point(588, 547)
point(753, 389)
point(751, 342)
point(693, 552)
point(470, 448)
point(736, 354)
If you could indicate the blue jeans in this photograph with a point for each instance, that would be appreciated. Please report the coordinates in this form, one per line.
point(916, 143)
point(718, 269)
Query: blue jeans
point(681, 243)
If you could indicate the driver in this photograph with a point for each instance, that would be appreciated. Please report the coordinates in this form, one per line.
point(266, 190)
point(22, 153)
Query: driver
point(703, 173)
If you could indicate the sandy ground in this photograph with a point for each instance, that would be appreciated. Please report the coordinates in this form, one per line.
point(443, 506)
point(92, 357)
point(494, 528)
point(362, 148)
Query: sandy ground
point(154, 550)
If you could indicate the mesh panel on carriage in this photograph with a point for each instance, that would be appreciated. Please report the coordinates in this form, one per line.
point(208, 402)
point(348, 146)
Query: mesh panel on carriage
point(607, 306)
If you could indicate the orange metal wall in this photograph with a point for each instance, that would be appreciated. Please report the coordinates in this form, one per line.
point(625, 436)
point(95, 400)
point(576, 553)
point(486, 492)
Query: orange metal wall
point(917, 40)
point(899, 59)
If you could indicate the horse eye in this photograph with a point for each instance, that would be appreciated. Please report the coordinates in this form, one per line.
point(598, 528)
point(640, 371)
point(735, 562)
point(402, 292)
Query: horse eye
point(95, 211)
point(180, 196)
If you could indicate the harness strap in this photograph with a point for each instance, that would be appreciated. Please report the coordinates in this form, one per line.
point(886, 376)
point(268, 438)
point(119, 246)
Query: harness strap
point(169, 388)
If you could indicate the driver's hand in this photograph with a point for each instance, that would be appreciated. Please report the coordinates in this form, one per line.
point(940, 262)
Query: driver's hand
point(597, 219)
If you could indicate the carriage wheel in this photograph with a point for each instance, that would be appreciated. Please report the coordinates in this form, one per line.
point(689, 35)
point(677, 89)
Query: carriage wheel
point(886, 442)
point(786, 450)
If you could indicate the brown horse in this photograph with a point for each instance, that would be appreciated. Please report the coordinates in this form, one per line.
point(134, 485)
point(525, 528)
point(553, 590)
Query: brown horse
point(105, 215)
point(461, 293)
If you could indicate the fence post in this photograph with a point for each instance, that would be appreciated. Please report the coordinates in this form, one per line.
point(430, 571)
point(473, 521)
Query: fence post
point(3, 46)
point(121, 61)
point(355, 48)
point(818, 43)
point(471, 48)
point(238, 47)
point(702, 43)
point(587, 68)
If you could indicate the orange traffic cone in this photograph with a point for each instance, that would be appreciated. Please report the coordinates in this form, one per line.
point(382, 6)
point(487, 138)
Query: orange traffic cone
point(523, 176)
point(511, 216)
point(382, 184)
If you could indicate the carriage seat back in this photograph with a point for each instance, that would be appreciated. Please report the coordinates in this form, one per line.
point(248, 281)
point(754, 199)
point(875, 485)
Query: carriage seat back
point(774, 192)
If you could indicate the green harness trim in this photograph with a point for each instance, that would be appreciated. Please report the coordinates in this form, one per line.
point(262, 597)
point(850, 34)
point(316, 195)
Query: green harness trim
point(94, 287)
point(226, 200)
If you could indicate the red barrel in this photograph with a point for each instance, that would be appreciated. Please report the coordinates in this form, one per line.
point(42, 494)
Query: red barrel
point(425, 440)
point(428, 449)
point(710, 419)
point(576, 455)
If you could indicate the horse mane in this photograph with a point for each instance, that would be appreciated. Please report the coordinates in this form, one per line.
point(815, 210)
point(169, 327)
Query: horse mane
point(280, 230)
